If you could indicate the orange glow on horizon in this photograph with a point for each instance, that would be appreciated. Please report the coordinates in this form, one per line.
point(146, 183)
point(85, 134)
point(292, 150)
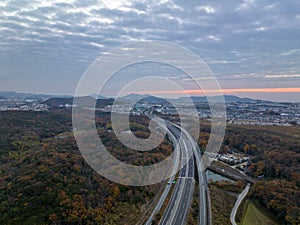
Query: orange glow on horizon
point(227, 91)
point(245, 90)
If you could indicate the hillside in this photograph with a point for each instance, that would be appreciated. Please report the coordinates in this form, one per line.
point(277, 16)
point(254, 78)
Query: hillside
point(45, 180)
point(59, 102)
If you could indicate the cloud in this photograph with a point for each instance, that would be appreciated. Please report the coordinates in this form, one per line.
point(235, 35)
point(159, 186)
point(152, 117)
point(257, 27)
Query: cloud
point(246, 5)
point(290, 52)
point(208, 38)
point(283, 76)
point(207, 9)
point(234, 37)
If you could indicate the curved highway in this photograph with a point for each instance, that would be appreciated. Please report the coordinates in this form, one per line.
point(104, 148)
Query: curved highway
point(204, 199)
point(170, 180)
point(178, 207)
point(182, 195)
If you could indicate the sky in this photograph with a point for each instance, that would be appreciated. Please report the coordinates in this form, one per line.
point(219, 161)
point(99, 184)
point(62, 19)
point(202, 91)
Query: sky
point(251, 46)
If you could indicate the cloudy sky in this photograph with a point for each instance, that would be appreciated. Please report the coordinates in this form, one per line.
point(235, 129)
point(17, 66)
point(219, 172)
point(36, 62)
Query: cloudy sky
point(252, 46)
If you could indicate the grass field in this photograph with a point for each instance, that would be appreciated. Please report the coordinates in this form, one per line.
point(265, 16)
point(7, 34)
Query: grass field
point(257, 215)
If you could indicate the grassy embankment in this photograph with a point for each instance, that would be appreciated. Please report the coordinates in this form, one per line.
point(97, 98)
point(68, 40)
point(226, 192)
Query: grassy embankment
point(255, 214)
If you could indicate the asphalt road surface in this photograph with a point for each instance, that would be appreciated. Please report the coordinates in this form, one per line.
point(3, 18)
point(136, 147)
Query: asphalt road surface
point(179, 204)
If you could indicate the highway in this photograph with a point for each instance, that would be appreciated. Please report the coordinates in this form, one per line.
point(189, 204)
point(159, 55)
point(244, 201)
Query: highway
point(178, 207)
point(170, 180)
point(182, 195)
point(204, 199)
point(188, 155)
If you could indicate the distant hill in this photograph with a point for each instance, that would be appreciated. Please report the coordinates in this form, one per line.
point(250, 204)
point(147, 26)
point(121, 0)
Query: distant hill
point(134, 97)
point(227, 98)
point(56, 100)
point(153, 99)
point(96, 96)
point(145, 98)
point(61, 102)
point(13, 94)
point(233, 98)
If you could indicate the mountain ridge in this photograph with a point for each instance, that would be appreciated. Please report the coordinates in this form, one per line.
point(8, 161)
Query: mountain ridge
point(130, 97)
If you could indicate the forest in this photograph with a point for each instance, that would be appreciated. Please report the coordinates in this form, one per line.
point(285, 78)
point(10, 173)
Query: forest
point(275, 156)
point(45, 180)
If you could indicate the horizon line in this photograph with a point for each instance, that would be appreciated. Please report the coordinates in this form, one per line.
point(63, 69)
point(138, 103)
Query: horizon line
point(223, 91)
point(191, 91)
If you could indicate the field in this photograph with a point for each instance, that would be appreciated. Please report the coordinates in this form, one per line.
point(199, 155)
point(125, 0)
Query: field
point(257, 215)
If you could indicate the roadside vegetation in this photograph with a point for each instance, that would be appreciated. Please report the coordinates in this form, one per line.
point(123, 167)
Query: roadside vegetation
point(255, 214)
point(222, 202)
